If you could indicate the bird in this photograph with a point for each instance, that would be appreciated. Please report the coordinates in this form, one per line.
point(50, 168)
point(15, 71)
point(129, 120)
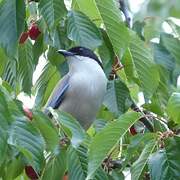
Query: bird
point(81, 91)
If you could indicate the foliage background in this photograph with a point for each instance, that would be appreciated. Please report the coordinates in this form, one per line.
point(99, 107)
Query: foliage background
point(143, 140)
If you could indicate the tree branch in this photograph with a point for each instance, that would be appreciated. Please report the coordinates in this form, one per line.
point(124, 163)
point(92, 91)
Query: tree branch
point(124, 9)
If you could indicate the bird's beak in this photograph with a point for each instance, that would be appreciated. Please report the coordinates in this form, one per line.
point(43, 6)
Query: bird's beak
point(65, 53)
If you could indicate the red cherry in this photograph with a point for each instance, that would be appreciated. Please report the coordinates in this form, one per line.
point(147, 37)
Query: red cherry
point(31, 173)
point(23, 37)
point(34, 31)
point(28, 113)
point(133, 130)
point(65, 177)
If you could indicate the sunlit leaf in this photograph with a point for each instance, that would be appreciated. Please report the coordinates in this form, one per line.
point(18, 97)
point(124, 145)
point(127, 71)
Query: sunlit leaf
point(81, 30)
point(56, 166)
point(174, 106)
point(99, 148)
point(91, 11)
point(115, 28)
point(48, 131)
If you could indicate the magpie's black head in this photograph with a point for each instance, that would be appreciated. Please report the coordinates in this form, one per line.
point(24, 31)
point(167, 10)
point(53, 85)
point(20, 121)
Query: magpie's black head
point(81, 51)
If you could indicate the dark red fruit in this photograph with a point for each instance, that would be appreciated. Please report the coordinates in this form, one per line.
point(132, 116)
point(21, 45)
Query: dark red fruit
point(34, 31)
point(31, 173)
point(28, 113)
point(65, 177)
point(23, 37)
point(133, 130)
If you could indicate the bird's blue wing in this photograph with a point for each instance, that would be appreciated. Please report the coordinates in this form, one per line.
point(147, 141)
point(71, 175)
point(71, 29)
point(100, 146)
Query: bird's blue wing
point(57, 95)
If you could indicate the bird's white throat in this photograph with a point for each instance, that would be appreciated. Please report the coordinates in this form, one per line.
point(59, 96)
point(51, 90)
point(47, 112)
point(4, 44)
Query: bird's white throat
point(83, 64)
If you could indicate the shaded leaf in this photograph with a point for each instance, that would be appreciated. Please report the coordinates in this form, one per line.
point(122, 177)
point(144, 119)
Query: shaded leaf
point(27, 140)
point(26, 67)
point(138, 166)
point(165, 163)
point(106, 53)
point(77, 163)
point(45, 84)
point(38, 49)
point(4, 116)
point(12, 15)
point(144, 65)
point(117, 97)
point(52, 11)
point(77, 132)
point(9, 73)
point(172, 45)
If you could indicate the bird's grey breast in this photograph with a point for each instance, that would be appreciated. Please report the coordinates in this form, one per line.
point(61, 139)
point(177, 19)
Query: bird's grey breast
point(84, 96)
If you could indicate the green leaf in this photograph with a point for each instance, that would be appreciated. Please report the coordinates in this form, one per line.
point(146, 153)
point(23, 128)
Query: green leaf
point(128, 64)
point(163, 57)
point(101, 174)
point(114, 25)
point(172, 45)
point(47, 130)
point(117, 97)
point(81, 30)
point(77, 163)
point(165, 163)
point(139, 165)
point(52, 11)
point(56, 166)
point(12, 15)
point(77, 132)
point(14, 168)
point(106, 53)
point(137, 143)
point(27, 140)
point(91, 11)
point(99, 148)
point(174, 106)
point(4, 60)
point(26, 67)
point(144, 66)
point(55, 58)
point(45, 84)
point(10, 74)
point(4, 116)
point(38, 48)
point(152, 28)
